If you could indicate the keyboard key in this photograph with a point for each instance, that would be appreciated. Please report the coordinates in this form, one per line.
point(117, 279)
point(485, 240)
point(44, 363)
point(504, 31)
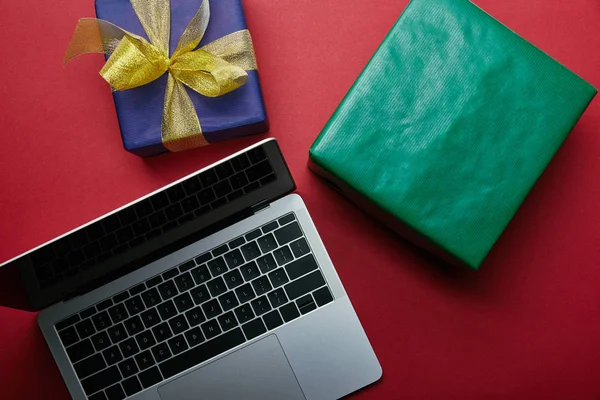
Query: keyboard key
point(272, 320)
point(159, 200)
point(201, 274)
point(191, 185)
point(234, 259)
point(266, 263)
point(135, 305)
point(217, 266)
point(227, 321)
point(270, 227)
point(194, 337)
point(261, 285)
point(244, 313)
point(67, 322)
point(277, 298)
point(117, 333)
point(101, 321)
point(112, 355)
point(141, 226)
point(206, 196)
point(250, 251)
point(85, 328)
point(183, 302)
point(211, 329)
point(201, 353)
point(92, 250)
point(162, 332)
point(289, 312)
point(224, 170)
point(211, 309)
point(256, 154)
point(203, 258)
point(101, 380)
point(120, 297)
point(174, 211)
point(237, 242)
point(184, 282)
point(222, 188)
point(267, 179)
point(301, 266)
point(89, 366)
point(178, 324)
point(228, 301)
point(245, 293)
point(128, 348)
point(190, 203)
point(195, 316)
point(161, 352)
point(260, 305)
point(167, 290)
point(153, 282)
point(286, 218)
point(304, 285)
point(278, 277)
point(283, 255)
point(115, 392)
point(145, 340)
point(250, 271)
point(233, 279)
point(96, 231)
point(111, 223)
point(134, 325)
point(125, 234)
point(167, 310)
point(300, 247)
point(150, 317)
point(131, 386)
point(157, 219)
point(288, 233)
point(68, 336)
point(177, 344)
point(100, 341)
point(267, 243)
point(258, 171)
point(322, 296)
point(101, 396)
point(150, 377)
point(216, 286)
point(238, 180)
point(128, 368)
point(254, 328)
point(118, 313)
point(175, 193)
point(200, 294)
point(105, 304)
point(306, 304)
point(253, 235)
point(144, 360)
point(240, 162)
point(151, 297)
point(87, 312)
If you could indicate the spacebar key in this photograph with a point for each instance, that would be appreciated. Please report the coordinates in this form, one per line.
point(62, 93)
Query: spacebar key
point(202, 353)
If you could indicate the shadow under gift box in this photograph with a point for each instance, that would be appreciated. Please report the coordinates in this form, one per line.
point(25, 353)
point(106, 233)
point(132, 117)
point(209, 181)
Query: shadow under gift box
point(235, 114)
point(448, 128)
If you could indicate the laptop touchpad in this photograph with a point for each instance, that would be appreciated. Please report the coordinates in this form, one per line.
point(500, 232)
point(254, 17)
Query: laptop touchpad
point(259, 371)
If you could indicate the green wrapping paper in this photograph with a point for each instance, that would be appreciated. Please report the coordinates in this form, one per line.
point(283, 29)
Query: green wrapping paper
point(448, 128)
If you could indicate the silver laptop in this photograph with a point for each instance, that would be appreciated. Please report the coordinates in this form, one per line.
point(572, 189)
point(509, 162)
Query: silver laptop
point(215, 287)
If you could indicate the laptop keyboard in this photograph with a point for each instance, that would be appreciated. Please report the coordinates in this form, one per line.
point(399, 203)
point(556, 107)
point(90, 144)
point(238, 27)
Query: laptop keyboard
point(195, 311)
point(160, 213)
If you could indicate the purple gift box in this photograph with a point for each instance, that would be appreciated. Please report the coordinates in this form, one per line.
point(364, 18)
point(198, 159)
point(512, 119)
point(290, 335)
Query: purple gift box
point(235, 114)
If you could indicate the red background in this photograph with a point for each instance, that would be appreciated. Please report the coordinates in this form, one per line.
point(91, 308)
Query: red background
point(525, 326)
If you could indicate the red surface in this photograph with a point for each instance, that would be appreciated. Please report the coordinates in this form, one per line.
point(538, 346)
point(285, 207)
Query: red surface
point(525, 326)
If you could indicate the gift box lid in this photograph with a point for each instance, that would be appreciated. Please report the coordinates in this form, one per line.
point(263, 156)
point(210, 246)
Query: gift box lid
point(450, 124)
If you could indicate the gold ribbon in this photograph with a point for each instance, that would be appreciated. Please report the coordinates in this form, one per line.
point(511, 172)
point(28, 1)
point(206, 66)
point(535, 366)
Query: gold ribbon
point(213, 70)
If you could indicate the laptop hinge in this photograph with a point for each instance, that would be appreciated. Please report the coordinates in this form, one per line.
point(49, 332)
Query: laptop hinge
point(258, 207)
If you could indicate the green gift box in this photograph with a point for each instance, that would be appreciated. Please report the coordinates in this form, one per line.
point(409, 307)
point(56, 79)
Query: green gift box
point(448, 128)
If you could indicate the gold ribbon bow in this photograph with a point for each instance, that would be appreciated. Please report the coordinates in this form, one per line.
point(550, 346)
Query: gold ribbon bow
point(213, 70)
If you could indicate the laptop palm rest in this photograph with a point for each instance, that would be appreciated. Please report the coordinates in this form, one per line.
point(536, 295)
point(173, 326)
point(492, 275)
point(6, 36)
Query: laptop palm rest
point(259, 371)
